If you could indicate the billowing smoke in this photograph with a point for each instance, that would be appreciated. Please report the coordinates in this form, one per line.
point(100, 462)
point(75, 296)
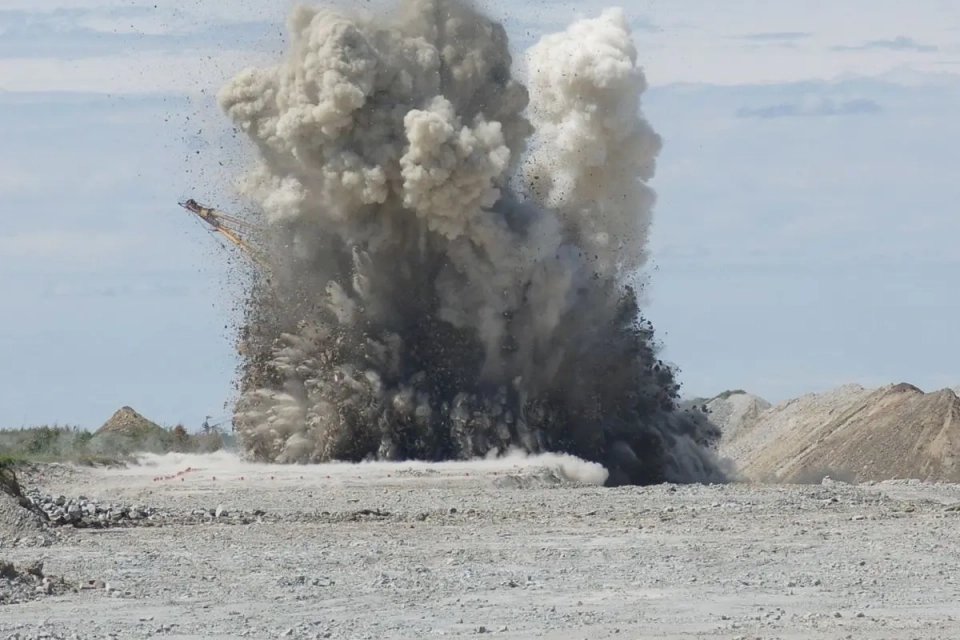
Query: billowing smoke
point(451, 254)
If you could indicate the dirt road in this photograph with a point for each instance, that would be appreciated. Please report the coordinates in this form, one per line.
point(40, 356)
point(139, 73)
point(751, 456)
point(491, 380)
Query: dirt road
point(513, 549)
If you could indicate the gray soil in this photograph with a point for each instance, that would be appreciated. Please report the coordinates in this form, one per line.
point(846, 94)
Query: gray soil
point(525, 549)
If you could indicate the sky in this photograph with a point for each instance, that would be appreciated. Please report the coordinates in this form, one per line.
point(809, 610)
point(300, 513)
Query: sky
point(804, 235)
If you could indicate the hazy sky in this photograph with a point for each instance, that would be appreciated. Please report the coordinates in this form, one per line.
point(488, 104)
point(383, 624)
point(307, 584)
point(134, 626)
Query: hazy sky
point(804, 236)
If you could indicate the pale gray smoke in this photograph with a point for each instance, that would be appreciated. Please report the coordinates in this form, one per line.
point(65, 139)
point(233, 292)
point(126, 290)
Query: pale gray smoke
point(594, 152)
point(450, 256)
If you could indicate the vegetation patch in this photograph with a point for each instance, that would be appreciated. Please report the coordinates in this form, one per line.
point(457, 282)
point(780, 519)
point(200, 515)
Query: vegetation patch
point(126, 434)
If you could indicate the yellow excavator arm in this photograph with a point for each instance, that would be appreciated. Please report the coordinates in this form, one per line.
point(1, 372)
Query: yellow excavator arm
point(230, 227)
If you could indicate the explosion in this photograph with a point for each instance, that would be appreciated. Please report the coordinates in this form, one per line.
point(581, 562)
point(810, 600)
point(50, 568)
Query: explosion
point(453, 256)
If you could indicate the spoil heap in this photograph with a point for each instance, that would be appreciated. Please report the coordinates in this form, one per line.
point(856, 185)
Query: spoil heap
point(20, 521)
point(127, 422)
point(731, 411)
point(128, 431)
point(26, 583)
point(850, 433)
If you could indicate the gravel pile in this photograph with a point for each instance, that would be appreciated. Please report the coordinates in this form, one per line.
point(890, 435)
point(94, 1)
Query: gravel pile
point(128, 422)
point(225, 516)
point(21, 524)
point(23, 584)
point(82, 513)
point(735, 412)
point(20, 527)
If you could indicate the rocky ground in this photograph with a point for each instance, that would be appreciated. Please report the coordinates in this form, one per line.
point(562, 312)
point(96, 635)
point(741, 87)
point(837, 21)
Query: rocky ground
point(25, 583)
point(212, 548)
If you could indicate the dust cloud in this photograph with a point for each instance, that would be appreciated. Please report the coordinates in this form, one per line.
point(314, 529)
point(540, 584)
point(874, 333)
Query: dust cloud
point(453, 257)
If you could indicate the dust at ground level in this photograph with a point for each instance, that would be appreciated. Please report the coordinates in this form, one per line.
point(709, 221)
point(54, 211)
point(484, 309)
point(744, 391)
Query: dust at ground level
point(510, 549)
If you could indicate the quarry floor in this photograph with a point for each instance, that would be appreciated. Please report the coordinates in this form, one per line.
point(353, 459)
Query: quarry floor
point(507, 549)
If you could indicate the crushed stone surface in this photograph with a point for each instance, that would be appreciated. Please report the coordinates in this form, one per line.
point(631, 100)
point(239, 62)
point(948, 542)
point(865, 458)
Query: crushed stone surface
point(509, 549)
point(26, 583)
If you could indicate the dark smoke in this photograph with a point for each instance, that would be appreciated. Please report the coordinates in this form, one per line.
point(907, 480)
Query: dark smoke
point(451, 255)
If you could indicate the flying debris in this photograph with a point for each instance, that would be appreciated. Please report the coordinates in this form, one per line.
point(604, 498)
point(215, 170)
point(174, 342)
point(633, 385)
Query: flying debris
point(453, 256)
point(230, 227)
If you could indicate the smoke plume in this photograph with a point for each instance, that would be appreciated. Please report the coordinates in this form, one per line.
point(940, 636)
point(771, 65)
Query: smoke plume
point(452, 254)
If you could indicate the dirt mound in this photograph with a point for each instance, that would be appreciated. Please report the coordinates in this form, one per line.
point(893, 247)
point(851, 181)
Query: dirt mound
point(22, 584)
point(127, 432)
point(733, 411)
point(20, 522)
point(127, 422)
point(854, 434)
point(10, 486)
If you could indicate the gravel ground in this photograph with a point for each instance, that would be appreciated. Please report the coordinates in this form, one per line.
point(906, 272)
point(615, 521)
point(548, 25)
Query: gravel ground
point(513, 549)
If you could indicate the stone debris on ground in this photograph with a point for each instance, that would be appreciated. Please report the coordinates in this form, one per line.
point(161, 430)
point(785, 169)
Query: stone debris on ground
point(21, 523)
point(446, 553)
point(503, 550)
point(20, 527)
point(26, 583)
point(44, 635)
point(82, 512)
point(10, 485)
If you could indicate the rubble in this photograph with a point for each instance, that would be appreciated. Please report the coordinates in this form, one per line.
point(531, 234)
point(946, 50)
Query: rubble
point(21, 523)
point(11, 486)
point(22, 584)
point(84, 513)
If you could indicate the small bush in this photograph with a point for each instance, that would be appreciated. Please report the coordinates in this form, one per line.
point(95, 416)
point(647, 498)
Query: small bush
point(11, 461)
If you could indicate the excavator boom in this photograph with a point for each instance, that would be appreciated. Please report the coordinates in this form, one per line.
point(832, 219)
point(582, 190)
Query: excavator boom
point(227, 226)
